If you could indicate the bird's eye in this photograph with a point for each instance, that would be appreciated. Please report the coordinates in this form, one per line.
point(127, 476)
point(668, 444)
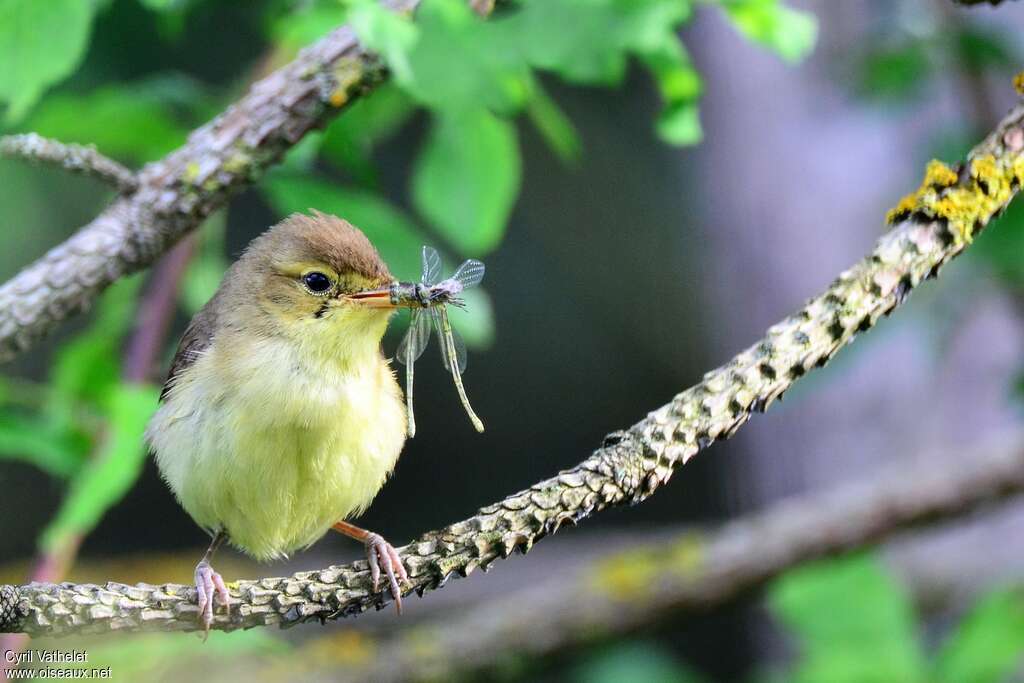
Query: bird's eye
point(316, 282)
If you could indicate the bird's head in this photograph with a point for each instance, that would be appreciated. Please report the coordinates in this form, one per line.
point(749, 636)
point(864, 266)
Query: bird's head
point(318, 281)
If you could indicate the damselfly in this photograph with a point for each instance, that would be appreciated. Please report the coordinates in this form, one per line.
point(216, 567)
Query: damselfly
point(428, 299)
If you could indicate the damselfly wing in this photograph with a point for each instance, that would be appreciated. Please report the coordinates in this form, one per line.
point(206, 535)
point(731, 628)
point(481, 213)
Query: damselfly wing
point(432, 298)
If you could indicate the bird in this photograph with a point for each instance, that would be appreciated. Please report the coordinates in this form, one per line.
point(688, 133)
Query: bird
point(280, 418)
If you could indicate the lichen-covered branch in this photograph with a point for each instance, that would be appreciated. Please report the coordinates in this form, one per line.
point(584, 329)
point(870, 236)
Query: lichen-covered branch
point(933, 226)
point(640, 587)
point(82, 159)
point(174, 195)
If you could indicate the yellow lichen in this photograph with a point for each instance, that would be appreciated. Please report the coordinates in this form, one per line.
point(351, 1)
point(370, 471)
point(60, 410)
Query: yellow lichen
point(937, 175)
point(625, 576)
point(965, 205)
point(687, 555)
point(238, 163)
point(348, 73)
point(345, 647)
point(1018, 83)
point(634, 573)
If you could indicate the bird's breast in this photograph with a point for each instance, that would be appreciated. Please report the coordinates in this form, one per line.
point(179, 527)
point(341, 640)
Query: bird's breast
point(276, 447)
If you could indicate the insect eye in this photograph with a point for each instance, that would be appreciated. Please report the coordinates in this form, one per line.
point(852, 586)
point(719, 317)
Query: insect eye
point(316, 282)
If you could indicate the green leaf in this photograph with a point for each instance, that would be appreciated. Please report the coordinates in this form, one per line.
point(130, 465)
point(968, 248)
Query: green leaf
point(207, 267)
point(838, 610)
point(131, 122)
point(554, 126)
point(789, 33)
point(1000, 246)
point(304, 26)
point(639, 661)
point(896, 73)
point(988, 644)
point(450, 59)
point(680, 86)
point(475, 322)
point(387, 33)
point(390, 230)
point(112, 470)
point(33, 440)
point(89, 366)
point(588, 41)
point(467, 178)
point(349, 140)
point(41, 43)
point(558, 35)
point(980, 48)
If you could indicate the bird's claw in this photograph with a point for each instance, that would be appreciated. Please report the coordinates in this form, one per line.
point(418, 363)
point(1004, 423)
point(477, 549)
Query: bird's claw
point(382, 555)
point(209, 585)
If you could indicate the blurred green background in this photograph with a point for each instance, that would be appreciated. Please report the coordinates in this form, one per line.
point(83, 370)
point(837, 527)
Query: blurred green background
point(651, 184)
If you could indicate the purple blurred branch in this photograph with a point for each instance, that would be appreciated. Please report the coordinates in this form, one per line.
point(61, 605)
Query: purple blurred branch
point(156, 311)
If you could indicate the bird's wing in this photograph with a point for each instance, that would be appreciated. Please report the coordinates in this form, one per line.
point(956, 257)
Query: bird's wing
point(196, 339)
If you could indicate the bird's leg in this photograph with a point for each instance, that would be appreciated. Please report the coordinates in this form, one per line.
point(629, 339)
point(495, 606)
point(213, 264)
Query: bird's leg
point(381, 555)
point(210, 584)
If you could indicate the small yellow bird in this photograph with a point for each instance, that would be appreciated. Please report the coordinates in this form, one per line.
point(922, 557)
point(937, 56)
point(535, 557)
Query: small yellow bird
point(281, 418)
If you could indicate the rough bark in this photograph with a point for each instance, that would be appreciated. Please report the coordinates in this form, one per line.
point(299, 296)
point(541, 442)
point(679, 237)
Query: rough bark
point(930, 227)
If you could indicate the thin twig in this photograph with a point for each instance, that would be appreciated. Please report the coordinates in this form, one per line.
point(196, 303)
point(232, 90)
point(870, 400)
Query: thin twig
point(932, 226)
point(82, 159)
point(176, 193)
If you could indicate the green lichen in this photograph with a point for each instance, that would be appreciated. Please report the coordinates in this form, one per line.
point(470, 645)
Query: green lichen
point(239, 163)
point(191, 173)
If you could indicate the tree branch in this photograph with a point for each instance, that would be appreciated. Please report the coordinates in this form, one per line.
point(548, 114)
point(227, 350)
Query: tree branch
point(82, 159)
point(691, 573)
point(979, 2)
point(175, 194)
point(932, 226)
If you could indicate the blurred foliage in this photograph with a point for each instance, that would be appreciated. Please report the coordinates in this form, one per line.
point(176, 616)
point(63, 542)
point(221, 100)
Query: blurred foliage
point(636, 661)
point(906, 60)
point(207, 265)
point(869, 631)
point(473, 74)
point(851, 621)
point(153, 116)
point(868, 612)
point(84, 425)
point(41, 43)
point(174, 656)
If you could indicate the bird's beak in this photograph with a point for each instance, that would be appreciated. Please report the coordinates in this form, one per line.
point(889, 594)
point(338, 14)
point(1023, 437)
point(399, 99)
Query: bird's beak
point(373, 298)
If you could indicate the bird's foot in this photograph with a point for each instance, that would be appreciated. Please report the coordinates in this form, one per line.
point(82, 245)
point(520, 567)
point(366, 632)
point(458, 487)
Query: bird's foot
point(209, 585)
point(381, 555)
